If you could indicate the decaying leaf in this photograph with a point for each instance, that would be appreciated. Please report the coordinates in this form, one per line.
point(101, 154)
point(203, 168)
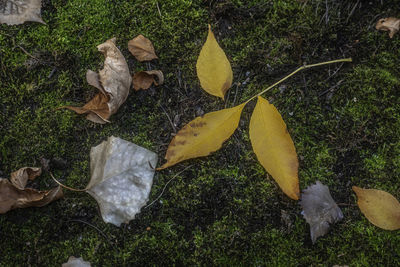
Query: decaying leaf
point(203, 135)
point(18, 11)
point(391, 24)
point(213, 68)
point(13, 193)
point(121, 178)
point(113, 82)
point(319, 209)
point(274, 148)
point(381, 208)
point(20, 178)
point(144, 79)
point(142, 48)
point(76, 262)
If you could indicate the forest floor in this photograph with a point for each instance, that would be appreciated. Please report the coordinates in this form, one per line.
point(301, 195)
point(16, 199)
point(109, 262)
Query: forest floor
point(224, 209)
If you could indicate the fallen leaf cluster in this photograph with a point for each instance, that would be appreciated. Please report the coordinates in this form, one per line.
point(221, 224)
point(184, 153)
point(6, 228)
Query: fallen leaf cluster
point(13, 193)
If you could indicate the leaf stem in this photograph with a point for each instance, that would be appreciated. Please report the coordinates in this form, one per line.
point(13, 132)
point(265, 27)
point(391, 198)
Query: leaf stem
point(67, 187)
point(296, 71)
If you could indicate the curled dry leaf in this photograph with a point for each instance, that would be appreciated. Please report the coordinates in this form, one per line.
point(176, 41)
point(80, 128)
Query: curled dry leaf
point(381, 208)
point(76, 262)
point(319, 209)
point(20, 178)
point(203, 135)
point(13, 194)
point(274, 148)
point(142, 48)
point(18, 11)
point(144, 79)
point(121, 178)
point(213, 68)
point(391, 24)
point(113, 83)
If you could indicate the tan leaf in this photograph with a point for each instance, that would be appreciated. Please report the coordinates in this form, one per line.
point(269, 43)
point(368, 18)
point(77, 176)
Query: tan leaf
point(17, 12)
point(144, 79)
point(381, 208)
point(274, 148)
point(391, 24)
point(20, 178)
point(203, 135)
point(113, 82)
point(213, 68)
point(142, 48)
point(12, 197)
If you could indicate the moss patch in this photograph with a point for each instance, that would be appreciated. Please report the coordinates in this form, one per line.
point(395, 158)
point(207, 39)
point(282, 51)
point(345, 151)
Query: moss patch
point(224, 209)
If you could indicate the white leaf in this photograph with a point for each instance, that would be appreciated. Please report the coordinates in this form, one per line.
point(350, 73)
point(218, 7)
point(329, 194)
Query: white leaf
point(18, 11)
point(76, 262)
point(319, 209)
point(121, 178)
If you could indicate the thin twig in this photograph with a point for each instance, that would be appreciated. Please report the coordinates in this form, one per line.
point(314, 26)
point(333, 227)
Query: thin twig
point(169, 119)
point(26, 52)
point(158, 8)
point(162, 192)
point(91, 225)
point(67, 187)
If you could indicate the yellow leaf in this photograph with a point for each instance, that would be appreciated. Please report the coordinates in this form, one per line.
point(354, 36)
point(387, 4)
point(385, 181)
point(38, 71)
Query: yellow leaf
point(274, 148)
point(381, 208)
point(203, 135)
point(213, 68)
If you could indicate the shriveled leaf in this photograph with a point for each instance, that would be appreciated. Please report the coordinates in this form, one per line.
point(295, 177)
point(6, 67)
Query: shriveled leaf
point(121, 178)
point(144, 79)
point(381, 208)
point(142, 48)
point(391, 24)
point(113, 82)
point(319, 209)
point(14, 195)
point(20, 178)
point(76, 262)
point(213, 68)
point(274, 148)
point(18, 11)
point(203, 135)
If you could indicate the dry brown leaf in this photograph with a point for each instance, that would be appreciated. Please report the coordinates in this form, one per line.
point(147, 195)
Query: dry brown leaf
point(18, 11)
point(20, 178)
point(142, 48)
point(391, 24)
point(381, 208)
point(144, 79)
point(113, 82)
point(12, 197)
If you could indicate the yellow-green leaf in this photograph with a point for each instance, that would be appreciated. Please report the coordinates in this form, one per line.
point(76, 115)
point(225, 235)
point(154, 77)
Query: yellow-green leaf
point(213, 68)
point(274, 148)
point(203, 135)
point(381, 208)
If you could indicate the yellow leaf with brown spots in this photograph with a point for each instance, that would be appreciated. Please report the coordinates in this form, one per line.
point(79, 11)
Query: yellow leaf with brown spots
point(213, 68)
point(381, 208)
point(274, 148)
point(203, 135)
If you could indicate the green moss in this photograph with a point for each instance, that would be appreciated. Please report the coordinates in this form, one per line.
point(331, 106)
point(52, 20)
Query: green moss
point(225, 209)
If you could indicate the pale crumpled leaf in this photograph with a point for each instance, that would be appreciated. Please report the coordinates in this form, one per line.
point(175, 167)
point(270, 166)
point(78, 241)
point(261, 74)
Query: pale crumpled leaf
point(113, 82)
point(121, 178)
point(13, 193)
point(76, 262)
point(319, 209)
point(142, 48)
point(18, 11)
point(144, 79)
point(391, 24)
